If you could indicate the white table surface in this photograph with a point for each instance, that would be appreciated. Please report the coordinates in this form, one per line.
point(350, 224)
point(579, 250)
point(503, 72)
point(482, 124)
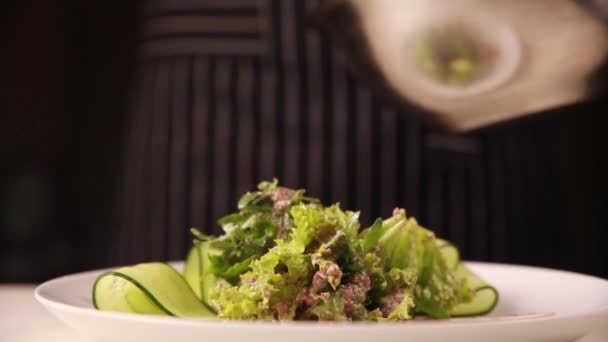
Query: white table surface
point(22, 319)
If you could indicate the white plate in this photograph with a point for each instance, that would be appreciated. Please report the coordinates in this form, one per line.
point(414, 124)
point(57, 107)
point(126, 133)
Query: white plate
point(535, 305)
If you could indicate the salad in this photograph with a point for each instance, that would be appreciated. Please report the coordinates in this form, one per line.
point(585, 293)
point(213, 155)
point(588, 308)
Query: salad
point(285, 256)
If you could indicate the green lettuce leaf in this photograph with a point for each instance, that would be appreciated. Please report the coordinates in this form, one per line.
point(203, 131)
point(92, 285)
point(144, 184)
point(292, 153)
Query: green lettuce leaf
point(403, 311)
point(252, 231)
point(405, 245)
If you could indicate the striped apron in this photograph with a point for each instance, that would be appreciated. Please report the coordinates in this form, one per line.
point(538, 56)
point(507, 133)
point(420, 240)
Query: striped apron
point(231, 92)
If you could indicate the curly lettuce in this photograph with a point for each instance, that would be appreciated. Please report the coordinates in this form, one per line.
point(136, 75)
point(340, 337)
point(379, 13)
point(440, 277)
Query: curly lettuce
point(285, 256)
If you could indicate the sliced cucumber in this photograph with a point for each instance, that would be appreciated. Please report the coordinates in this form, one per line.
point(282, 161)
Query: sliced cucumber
point(140, 302)
point(192, 270)
point(486, 296)
point(115, 293)
point(198, 271)
point(153, 288)
point(110, 293)
point(208, 281)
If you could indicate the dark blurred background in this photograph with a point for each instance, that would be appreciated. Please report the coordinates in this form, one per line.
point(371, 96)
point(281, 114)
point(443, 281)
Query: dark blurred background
point(67, 71)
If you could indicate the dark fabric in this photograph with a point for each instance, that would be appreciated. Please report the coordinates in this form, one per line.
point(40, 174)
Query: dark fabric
point(218, 108)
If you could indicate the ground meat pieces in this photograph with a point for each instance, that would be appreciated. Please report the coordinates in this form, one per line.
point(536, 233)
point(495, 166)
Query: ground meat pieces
point(356, 291)
point(333, 271)
point(282, 310)
point(319, 281)
point(281, 199)
point(306, 298)
point(329, 272)
point(351, 295)
point(280, 206)
point(362, 280)
point(389, 303)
